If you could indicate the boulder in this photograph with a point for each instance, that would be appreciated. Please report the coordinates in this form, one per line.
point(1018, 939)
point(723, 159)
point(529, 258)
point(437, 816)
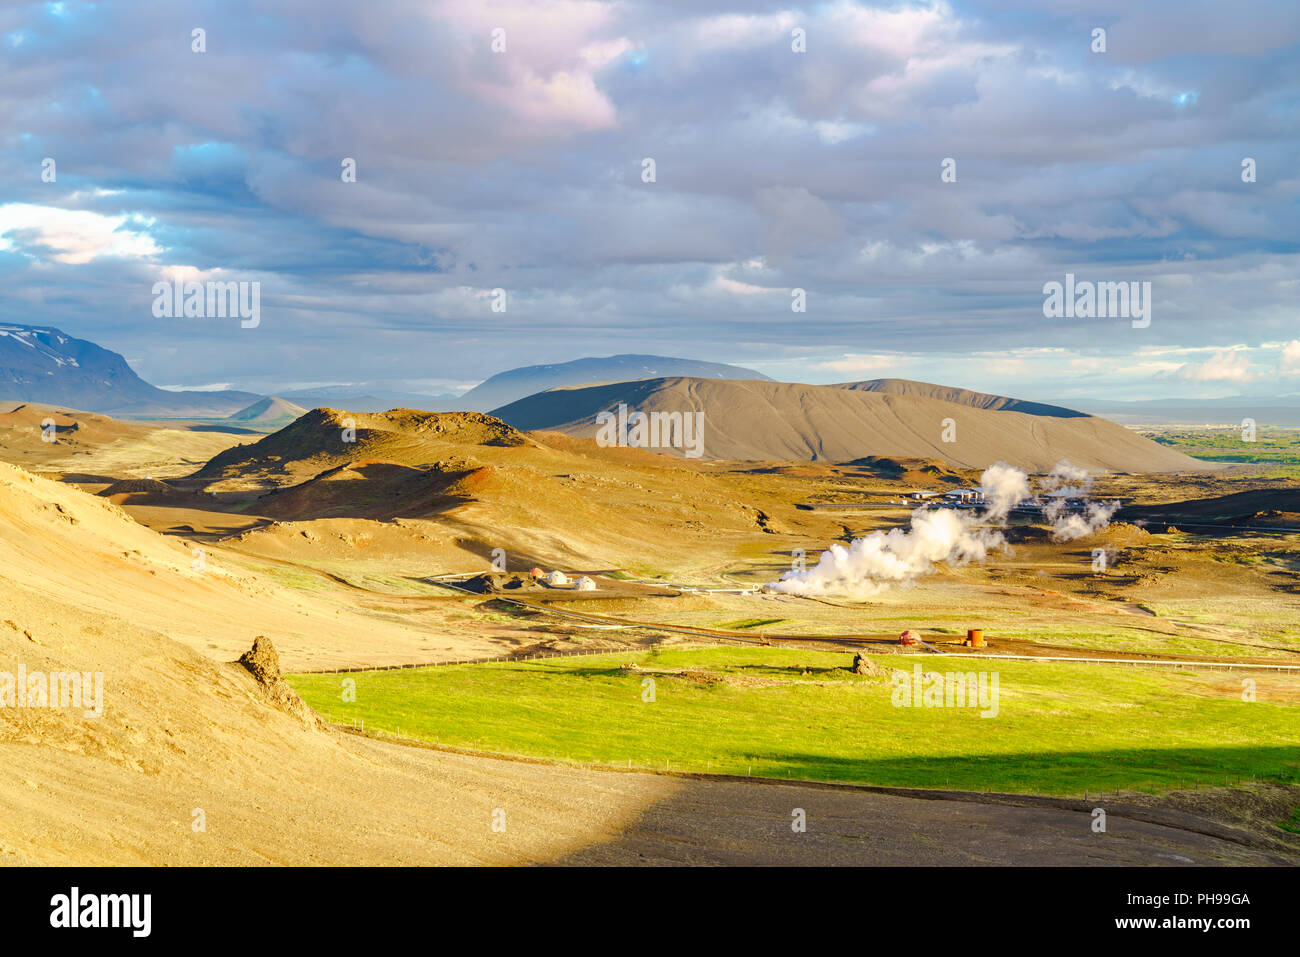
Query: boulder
point(262, 662)
point(862, 665)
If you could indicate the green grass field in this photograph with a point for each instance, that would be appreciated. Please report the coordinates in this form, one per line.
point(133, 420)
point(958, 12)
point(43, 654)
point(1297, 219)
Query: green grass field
point(1060, 728)
point(1272, 446)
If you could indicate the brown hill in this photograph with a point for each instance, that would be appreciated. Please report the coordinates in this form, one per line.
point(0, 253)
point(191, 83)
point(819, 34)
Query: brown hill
point(481, 484)
point(267, 413)
point(115, 447)
point(23, 424)
point(785, 421)
point(195, 759)
point(145, 486)
point(373, 489)
point(979, 400)
point(326, 439)
point(57, 538)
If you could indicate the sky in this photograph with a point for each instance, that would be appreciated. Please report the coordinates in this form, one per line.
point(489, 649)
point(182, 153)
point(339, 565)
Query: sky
point(920, 171)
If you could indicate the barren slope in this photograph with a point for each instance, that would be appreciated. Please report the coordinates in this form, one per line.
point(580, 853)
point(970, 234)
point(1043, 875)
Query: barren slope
point(475, 484)
point(781, 420)
point(181, 732)
point(980, 400)
point(325, 439)
point(184, 732)
point(86, 442)
point(185, 739)
point(57, 540)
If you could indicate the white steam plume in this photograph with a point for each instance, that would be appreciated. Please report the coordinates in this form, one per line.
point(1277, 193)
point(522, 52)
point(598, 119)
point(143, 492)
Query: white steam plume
point(868, 564)
point(1003, 486)
point(1063, 472)
point(1068, 525)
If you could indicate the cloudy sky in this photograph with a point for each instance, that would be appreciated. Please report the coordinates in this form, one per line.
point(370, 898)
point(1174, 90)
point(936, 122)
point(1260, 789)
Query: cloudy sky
point(793, 146)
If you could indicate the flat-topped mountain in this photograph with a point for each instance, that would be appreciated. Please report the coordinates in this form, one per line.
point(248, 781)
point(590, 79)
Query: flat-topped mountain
point(980, 400)
point(767, 420)
point(506, 387)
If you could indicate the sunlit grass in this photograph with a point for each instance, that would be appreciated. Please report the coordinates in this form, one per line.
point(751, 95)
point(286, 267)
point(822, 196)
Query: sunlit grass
point(1059, 728)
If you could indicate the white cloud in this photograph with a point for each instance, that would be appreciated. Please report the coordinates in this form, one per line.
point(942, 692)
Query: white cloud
point(206, 387)
point(605, 52)
point(831, 132)
point(739, 288)
point(734, 31)
point(75, 236)
point(545, 77)
point(861, 363)
point(1290, 362)
point(1226, 365)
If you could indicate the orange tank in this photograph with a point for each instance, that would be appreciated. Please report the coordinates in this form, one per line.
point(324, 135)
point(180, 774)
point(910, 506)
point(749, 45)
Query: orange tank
point(975, 637)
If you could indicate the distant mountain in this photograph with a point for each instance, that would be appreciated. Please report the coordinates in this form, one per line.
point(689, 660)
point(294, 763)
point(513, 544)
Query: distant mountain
point(506, 387)
point(369, 400)
point(271, 412)
point(42, 364)
point(1282, 410)
point(1227, 402)
point(791, 421)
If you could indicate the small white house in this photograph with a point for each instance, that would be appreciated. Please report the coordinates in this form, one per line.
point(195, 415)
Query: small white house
point(585, 584)
point(557, 577)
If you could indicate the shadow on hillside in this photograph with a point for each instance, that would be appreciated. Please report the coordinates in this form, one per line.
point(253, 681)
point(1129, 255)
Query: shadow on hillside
point(382, 490)
point(712, 820)
point(1060, 772)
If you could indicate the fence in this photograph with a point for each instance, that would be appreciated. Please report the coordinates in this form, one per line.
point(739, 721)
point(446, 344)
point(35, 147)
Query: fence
point(585, 653)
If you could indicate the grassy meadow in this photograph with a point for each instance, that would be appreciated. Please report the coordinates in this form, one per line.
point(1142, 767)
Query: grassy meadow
point(1059, 728)
point(1278, 447)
